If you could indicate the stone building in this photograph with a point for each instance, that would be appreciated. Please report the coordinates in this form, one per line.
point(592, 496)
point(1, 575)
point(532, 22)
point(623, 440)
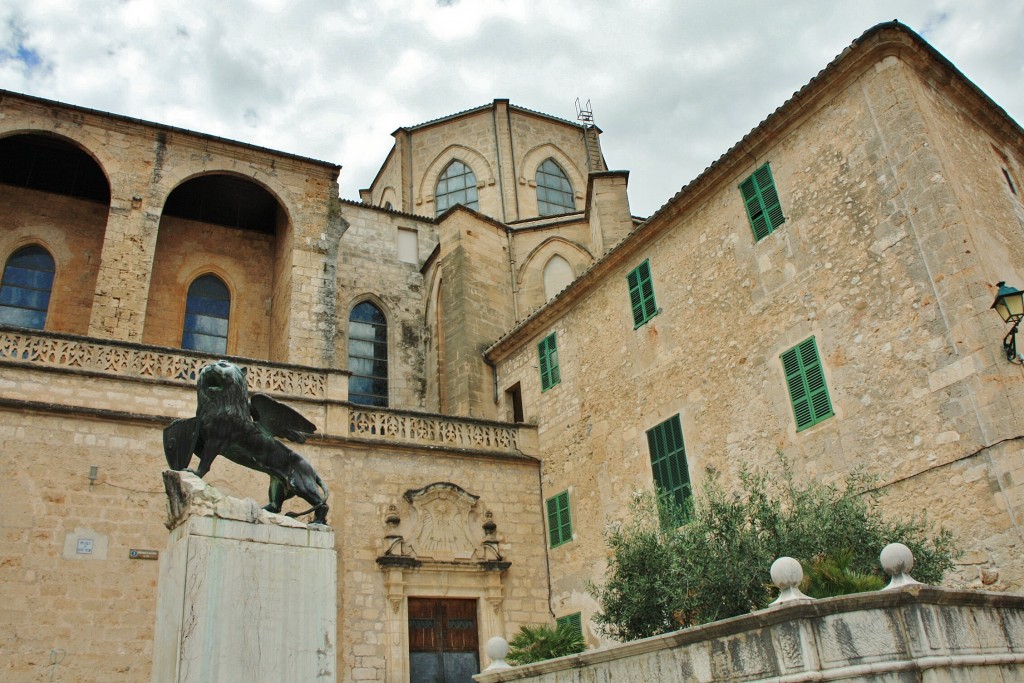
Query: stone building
point(496, 352)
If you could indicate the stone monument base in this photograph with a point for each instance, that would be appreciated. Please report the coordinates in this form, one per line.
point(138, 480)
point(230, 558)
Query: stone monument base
point(244, 594)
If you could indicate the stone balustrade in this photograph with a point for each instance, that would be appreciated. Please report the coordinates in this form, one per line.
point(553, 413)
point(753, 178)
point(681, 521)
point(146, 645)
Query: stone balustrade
point(327, 387)
point(126, 359)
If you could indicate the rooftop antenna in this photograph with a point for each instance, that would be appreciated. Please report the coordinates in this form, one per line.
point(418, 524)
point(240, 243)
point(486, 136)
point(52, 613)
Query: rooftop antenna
point(585, 115)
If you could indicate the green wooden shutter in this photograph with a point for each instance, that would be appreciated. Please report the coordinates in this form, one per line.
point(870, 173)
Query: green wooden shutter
point(668, 460)
point(762, 202)
point(806, 381)
point(641, 294)
point(559, 520)
point(547, 353)
point(573, 621)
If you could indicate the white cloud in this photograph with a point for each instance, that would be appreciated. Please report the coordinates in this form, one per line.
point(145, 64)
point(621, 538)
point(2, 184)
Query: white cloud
point(673, 84)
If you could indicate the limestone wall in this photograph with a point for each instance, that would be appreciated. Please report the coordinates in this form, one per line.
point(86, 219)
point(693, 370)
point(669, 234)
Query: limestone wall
point(871, 261)
point(95, 612)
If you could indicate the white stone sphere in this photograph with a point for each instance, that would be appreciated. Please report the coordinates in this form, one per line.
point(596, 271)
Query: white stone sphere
point(496, 648)
point(787, 572)
point(896, 559)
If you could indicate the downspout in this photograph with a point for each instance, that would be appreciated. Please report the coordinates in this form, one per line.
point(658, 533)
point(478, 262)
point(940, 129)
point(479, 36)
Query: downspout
point(494, 377)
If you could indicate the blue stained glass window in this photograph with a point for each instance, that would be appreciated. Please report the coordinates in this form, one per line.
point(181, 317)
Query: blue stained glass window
point(368, 356)
point(457, 185)
point(25, 288)
point(207, 309)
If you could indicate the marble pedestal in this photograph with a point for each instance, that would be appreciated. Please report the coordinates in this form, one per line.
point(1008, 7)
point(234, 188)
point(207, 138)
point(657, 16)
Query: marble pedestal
point(244, 595)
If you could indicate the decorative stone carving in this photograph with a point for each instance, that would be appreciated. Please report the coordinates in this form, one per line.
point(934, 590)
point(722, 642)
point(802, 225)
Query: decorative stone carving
point(139, 361)
point(441, 528)
point(427, 429)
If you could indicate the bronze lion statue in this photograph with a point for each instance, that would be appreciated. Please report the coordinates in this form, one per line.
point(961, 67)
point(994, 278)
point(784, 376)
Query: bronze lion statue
point(243, 430)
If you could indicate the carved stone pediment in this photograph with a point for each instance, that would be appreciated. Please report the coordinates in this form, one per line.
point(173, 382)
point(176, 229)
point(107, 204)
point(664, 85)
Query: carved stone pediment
point(440, 529)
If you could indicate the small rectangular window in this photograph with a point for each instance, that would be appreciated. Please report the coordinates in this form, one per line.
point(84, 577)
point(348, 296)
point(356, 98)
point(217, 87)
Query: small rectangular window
point(762, 202)
point(408, 249)
point(547, 351)
point(559, 520)
point(668, 460)
point(514, 400)
point(806, 380)
point(573, 621)
point(641, 294)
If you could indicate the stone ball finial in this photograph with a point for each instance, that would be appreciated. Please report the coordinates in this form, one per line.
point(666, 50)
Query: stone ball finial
point(497, 650)
point(897, 561)
point(787, 575)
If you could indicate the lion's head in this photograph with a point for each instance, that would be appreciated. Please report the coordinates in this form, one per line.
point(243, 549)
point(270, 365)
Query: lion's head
point(223, 387)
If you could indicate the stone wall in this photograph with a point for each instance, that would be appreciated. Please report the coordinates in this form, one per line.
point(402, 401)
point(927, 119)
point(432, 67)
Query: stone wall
point(874, 261)
point(96, 611)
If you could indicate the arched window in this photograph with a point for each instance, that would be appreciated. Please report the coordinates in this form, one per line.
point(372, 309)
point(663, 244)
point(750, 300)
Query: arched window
point(557, 276)
point(368, 356)
point(25, 289)
point(206, 315)
point(457, 185)
point(554, 193)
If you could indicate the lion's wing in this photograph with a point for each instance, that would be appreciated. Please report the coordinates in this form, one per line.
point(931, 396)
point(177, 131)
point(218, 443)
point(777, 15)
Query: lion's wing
point(181, 440)
point(279, 419)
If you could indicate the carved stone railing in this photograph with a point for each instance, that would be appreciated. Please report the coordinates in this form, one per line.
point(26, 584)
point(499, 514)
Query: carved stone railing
point(125, 359)
point(435, 430)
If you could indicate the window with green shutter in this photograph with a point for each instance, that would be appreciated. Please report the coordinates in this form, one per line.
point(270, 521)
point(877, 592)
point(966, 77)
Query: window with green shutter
point(559, 520)
point(573, 621)
point(547, 351)
point(806, 380)
point(762, 202)
point(668, 460)
point(641, 294)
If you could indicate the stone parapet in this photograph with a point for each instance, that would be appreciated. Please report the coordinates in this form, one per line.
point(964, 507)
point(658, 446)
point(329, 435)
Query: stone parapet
point(126, 359)
point(916, 633)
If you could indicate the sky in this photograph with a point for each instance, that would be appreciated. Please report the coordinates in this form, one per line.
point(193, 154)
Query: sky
point(672, 83)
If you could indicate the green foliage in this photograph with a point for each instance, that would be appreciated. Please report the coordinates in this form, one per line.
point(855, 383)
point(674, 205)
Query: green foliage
point(670, 567)
point(537, 643)
point(827, 577)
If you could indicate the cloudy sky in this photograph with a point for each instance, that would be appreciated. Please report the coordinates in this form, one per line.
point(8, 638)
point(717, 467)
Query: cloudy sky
point(673, 83)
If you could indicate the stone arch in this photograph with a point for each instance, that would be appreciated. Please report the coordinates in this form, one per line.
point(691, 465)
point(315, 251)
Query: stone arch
point(390, 195)
point(73, 226)
point(476, 161)
point(557, 274)
point(530, 276)
point(527, 183)
point(252, 252)
point(98, 154)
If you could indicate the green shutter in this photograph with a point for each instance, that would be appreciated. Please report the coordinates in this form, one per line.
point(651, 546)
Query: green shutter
point(547, 352)
point(668, 460)
point(573, 621)
point(762, 202)
point(641, 294)
point(559, 520)
point(806, 381)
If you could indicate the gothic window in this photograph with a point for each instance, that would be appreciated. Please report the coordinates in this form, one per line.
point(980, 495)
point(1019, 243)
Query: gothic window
point(457, 185)
point(368, 356)
point(207, 308)
point(25, 288)
point(554, 193)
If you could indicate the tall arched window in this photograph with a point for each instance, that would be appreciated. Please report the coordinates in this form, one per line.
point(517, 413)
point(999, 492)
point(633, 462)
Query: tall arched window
point(554, 193)
point(457, 185)
point(25, 288)
point(368, 356)
point(207, 309)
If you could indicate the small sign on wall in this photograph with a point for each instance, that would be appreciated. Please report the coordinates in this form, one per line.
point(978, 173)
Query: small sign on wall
point(138, 554)
point(84, 546)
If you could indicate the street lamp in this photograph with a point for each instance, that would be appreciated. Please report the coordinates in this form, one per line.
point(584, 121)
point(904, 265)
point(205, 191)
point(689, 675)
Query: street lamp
point(1009, 304)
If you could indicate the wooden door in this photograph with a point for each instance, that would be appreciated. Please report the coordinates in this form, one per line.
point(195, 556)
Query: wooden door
point(443, 642)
